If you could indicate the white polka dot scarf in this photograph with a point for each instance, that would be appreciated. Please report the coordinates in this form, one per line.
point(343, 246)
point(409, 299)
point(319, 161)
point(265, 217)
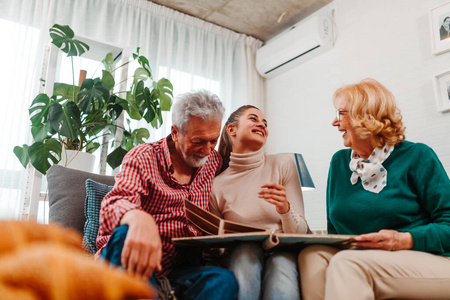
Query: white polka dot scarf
point(371, 171)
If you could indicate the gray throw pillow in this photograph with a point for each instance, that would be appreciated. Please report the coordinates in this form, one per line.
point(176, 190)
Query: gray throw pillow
point(67, 193)
point(95, 192)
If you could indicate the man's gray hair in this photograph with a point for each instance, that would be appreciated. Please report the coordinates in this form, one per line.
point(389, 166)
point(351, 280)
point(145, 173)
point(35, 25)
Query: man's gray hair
point(200, 103)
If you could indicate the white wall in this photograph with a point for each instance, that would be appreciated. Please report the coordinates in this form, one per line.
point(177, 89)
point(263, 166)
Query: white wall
point(383, 39)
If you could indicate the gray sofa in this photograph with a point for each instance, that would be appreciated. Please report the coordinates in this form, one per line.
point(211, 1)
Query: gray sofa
point(72, 204)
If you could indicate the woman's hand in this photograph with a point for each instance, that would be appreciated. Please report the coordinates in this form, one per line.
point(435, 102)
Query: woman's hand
point(389, 240)
point(142, 250)
point(275, 194)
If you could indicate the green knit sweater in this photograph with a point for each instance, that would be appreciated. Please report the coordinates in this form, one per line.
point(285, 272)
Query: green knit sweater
point(416, 198)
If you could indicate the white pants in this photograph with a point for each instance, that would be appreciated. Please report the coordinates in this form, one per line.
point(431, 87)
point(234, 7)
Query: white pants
point(333, 274)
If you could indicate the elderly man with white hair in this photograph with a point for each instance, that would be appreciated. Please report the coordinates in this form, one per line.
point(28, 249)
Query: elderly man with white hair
point(144, 210)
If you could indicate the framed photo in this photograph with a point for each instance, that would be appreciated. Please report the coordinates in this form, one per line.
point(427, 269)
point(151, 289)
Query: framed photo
point(440, 28)
point(442, 87)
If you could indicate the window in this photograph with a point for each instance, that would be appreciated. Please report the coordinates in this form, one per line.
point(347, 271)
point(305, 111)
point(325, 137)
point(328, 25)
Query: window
point(18, 64)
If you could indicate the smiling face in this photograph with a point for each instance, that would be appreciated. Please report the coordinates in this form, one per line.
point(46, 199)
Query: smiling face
point(196, 144)
point(351, 139)
point(250, 133)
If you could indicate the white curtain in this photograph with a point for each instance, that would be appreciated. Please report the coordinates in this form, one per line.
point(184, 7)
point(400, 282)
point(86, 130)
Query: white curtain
point(188, 51)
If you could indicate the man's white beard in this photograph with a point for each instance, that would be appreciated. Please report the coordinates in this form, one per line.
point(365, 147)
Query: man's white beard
point(192, 161)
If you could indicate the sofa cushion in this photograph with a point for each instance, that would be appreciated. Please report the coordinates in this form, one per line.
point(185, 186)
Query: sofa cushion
point(95, 192)
point(67, 193)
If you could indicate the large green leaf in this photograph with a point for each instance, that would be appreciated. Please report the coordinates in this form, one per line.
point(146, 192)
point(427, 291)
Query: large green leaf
point(128, 141)
point(41, 132)
point(39, 109)
point(22, 154)
point(164, 93)
point(115, 106)
point(62, 37)
point(139, 96)
point(148, 104)
point(157, 120)
point(108, 62)
point(132, 110)
point(73, 112)
point(148, 107)
point(65, 119)
point(140, 134)
point(65, 91)
point(93, 95)
point(134, 138)
point(108, 79)
point(143, 61)
point(115, 158)
point(43, 153)
point(140, 74)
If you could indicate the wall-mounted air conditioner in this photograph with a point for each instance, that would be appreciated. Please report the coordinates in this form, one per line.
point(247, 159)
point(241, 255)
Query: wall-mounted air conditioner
point(299, 43)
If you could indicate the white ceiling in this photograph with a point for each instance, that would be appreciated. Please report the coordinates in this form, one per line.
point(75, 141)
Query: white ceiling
point(262, 19)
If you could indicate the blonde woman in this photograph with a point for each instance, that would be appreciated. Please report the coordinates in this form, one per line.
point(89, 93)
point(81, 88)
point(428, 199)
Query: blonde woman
point(394, 195)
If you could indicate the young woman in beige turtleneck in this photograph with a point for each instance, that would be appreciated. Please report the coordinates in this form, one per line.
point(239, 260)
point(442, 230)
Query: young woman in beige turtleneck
point(260, 190)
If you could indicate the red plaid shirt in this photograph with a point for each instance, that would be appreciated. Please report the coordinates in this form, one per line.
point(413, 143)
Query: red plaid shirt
point(146, 182)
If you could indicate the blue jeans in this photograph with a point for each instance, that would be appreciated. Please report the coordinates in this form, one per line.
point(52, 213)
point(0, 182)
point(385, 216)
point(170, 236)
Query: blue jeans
point(189, 282)
point(264, 275)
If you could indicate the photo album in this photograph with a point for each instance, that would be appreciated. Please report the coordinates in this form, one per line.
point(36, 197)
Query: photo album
point(222, 233)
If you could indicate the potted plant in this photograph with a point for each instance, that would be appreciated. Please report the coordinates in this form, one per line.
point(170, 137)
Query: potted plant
point(78, 118)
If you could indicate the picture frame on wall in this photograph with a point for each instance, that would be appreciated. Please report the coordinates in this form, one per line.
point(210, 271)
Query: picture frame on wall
point(440, 28)
point(442, 88)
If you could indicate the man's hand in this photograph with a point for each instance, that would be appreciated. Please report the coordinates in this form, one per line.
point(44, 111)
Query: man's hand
point(389, 240)
point(275, 194)
point(142, 250)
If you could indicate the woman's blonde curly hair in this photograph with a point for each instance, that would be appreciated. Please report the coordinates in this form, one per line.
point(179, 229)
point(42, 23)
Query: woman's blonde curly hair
point(373, 112)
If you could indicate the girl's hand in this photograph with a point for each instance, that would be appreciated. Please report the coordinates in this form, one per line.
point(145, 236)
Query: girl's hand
point(389, 240)
point(276, 195)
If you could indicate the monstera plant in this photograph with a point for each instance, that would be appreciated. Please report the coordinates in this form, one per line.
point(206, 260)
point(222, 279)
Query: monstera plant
point(78, 117)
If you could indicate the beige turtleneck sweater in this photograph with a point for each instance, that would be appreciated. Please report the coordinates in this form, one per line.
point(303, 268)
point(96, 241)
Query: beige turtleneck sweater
point(234, 194)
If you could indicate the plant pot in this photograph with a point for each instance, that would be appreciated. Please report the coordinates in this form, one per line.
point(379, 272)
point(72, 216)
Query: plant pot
point(77, 160)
